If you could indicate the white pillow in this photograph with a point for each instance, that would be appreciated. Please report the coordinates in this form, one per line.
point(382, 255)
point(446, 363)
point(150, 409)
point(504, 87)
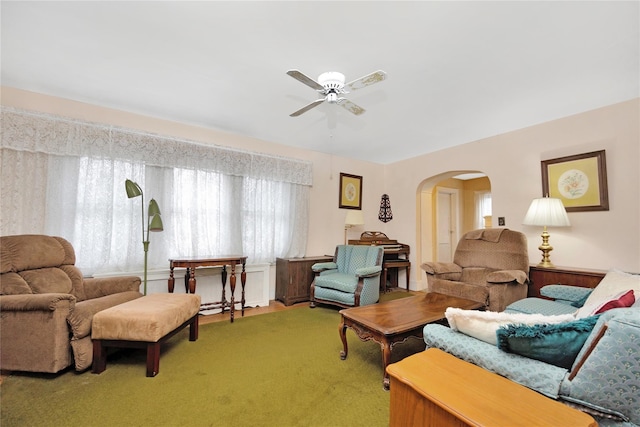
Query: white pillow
point(614, 282)
point(483, 325)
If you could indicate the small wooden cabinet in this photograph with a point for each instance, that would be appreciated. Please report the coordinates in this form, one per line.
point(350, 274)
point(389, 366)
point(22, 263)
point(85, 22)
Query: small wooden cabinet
point(294, 277)
point(542, 276)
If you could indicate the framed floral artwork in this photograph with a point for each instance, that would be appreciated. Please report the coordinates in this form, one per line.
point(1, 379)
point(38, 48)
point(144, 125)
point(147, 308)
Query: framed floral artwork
point(580, 181)
point(350, 191)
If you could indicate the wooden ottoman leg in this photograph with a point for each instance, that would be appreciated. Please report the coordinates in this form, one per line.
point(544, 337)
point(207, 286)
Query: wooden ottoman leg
point(99, 357)
point(153, 358)
point(193, 328)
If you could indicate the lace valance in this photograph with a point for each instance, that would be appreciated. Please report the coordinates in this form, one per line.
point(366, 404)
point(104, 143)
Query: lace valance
point(37, 132)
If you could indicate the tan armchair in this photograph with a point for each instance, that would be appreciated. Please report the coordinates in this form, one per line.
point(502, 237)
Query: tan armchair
point(47, 306)
point(489, 266)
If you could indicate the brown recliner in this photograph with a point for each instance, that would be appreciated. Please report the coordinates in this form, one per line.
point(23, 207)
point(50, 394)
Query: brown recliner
point(489, 266)
point(46, 306)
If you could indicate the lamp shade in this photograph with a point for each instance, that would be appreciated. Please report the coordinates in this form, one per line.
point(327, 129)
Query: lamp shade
point(133, 189)
point(547, 211)
point(156, 223)
point(354, 217)
point(154, 209)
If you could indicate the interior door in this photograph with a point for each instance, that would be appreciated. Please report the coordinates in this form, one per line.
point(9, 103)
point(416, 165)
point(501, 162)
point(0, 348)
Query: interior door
point(446, 224)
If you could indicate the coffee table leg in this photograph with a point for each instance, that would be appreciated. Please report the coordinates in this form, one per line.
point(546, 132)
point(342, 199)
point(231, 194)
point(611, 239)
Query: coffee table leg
point(342, 329)
point(386, 358)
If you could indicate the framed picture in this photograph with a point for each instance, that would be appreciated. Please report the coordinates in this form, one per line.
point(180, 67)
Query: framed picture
point(350, 191)
point(580, 181)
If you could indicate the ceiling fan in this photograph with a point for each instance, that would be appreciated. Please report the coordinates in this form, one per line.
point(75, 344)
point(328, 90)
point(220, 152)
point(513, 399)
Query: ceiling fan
point(331, 84)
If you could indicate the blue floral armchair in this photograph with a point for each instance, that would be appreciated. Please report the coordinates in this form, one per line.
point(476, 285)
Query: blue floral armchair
point(352, 279)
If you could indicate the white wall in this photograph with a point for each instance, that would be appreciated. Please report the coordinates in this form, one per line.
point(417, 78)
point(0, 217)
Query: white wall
point(597, 240)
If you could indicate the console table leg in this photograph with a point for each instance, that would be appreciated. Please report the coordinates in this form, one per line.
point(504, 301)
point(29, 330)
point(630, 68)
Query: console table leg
point(232, 283)
point(171, 282)
point(243, 282)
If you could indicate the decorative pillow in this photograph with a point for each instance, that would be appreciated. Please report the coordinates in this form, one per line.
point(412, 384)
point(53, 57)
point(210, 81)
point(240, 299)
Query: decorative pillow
point(620, 300)
point(614, 282)
point(483, 325)
point(557, 344)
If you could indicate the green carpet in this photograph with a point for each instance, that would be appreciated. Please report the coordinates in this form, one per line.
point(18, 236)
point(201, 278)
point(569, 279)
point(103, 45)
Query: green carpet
point(278, 369)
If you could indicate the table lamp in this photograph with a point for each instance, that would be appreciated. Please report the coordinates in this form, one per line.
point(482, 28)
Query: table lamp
point(547, 212)
point(352, 219)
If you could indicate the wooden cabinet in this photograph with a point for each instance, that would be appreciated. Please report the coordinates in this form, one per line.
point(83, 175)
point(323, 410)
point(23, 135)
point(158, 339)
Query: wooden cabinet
point(542, 276)
point(294, 277)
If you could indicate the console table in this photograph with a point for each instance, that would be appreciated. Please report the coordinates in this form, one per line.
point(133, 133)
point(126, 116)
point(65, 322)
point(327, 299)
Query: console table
point(542, 276)
point(191, 263)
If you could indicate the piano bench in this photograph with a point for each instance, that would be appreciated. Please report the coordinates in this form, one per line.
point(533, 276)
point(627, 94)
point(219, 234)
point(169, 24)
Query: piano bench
point(397, 264)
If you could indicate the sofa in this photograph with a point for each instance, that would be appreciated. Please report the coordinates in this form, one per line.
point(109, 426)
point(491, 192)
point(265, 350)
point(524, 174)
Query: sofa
point(587, 357)
point(489, 266)
point(47, 306)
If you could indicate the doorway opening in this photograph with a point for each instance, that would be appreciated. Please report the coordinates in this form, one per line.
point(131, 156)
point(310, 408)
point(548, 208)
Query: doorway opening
point(449, 205)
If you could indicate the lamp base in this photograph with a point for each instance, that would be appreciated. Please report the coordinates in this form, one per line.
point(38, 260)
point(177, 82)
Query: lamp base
point(545, 248)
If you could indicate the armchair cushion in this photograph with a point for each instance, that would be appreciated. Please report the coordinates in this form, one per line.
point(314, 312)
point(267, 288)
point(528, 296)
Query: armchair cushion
point(339, 281)
point(47, 280)
point(13, 284)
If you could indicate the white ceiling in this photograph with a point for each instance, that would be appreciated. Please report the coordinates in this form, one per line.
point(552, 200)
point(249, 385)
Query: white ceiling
point(456, 71)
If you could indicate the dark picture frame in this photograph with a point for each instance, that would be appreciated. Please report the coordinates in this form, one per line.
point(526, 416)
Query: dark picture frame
point(350, 196)
point(580, 181)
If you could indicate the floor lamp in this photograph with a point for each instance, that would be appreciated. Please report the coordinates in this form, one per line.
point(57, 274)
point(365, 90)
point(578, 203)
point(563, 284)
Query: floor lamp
point(154, 222)
point(546, 212)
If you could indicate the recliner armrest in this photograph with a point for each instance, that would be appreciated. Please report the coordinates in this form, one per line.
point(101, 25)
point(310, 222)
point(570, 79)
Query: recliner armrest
point(323, 266)
point(441, 268)
point(507, 276)
point(96, 287)
point(368, 271)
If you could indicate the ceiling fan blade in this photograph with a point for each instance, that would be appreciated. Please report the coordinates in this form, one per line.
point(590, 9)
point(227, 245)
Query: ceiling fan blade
point(353, 108)
point(301, 77)
point(369, 79)
point(307, 107)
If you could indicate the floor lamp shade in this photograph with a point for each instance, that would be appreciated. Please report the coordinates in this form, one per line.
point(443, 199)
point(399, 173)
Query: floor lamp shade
point(546, 212)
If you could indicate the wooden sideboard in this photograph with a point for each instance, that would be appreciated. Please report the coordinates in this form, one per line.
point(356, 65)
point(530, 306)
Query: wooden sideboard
point(542, 276)
point(434, 388)
point(294, 277)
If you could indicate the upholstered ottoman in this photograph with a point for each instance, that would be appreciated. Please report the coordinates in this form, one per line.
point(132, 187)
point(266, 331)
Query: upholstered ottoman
point(143, 323)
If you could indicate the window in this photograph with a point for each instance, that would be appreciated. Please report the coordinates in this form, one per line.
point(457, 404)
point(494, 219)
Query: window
point(482, 208)
point(249, 204)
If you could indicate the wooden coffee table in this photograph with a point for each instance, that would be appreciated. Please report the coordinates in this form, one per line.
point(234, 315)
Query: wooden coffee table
point(394, 322)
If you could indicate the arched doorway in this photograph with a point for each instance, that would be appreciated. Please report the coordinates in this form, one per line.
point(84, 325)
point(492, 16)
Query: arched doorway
point(446, 210)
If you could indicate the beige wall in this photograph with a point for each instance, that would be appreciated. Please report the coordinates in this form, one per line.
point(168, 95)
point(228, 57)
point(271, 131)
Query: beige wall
point(512, 162)
point(597, 240)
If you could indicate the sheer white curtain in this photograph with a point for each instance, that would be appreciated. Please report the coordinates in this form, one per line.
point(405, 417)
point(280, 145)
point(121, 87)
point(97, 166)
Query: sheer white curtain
point(483, 207)
point(71, 184)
